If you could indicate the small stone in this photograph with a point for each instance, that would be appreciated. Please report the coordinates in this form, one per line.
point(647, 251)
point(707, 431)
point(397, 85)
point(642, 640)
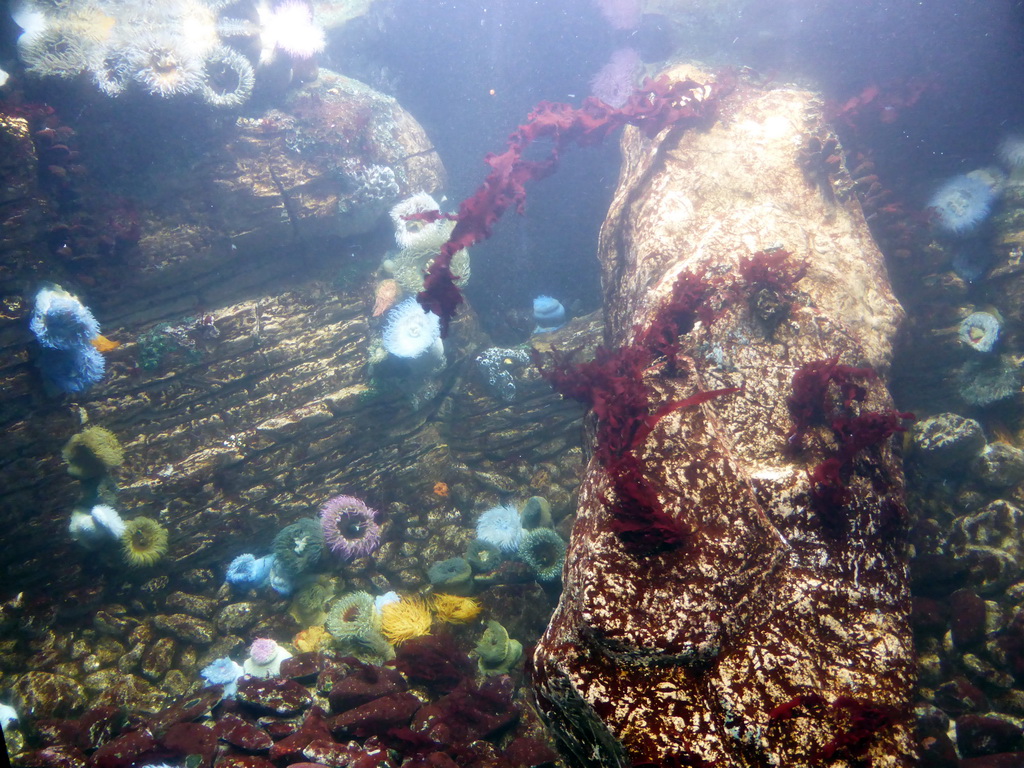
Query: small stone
point(178, 684)
point(186, 628)
point(158, 659)
point(989, 544)
point(980, 735)
point(130, 661)
point(110, 624)
point(43, 694)
point(967, 618)
point(328, 752)
point(91, 663)
point(185, 710)
point(108, 650)
point(238, 733)
point(1000, 465)
point(99, 725)
point(363, 685)
point(279, 695)
point(237, 617)
point(193, 605)
point(947, 440)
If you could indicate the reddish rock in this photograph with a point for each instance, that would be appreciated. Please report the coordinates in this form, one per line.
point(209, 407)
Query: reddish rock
point(330, 752)
point(99, 725)
point(59, 732)
point(377, 717)
point(979, 735)
point(372, 755)
point(525, 752)
point(191, 739)
point(1005, 760)
point(929, 617)
point(303, 666)
point(469, 713)
point(967, 618)
point(123, 751)
point(243, 761)
point(279, 695)
point(187, 709)
point(314, 727)
point(958, 696)
point(277, 729)
point(53, 757)
point(244, 735)
point(363, 685)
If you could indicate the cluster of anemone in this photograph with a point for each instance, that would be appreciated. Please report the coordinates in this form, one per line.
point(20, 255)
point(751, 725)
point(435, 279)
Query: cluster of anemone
point(65, 329)
point(349, 527)
point(170, 48)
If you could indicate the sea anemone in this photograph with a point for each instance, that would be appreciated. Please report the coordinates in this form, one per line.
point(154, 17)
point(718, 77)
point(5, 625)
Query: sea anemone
point(410, 231)
point(60, 321)
point(223, 671)
point(1011, 150)
point(248, 572)
point(265, 657)
point(455, 609)
point(92, 453)
point(501, 527)
point(84, 530)
point(298, 546)
point(410, 331)
point(980, 331)
point(355, 625)
point(72, 370)
point(386, 599)
point(615, 82)
point(349, 527)
point(55, 51)
point(962, 203)
point(8, 716)
point(166, 71)
point(310, 639)
point(548, 314)
point(544, 551)
point(497, 651)
point(144, 541)
point(280, 580)
point(108, 520)
point(228, 78)
point(482, 556)
point(289, 27)
point(307, 606)
point(405, 619)
point(536, 513)
point(453, 575)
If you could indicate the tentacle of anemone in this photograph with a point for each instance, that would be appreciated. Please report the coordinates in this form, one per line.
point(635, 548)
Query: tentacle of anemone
point(236, 28)
point(167, 72)
point(110, 71)
point(225, 64)
point(55, 53)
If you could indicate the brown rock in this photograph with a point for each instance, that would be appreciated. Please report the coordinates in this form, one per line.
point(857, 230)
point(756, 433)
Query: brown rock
point(194, 605)
point(186, 628)
point(158, 659)
point(237, 616)
point(244, 761)
point(133, 694)
point(42, 694)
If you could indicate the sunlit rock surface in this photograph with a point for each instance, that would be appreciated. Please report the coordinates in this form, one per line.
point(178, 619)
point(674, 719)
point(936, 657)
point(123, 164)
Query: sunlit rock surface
point(678, 658)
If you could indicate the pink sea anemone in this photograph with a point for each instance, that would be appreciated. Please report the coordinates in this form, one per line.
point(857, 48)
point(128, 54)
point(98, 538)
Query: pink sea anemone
point(615, 81)
point(350, 527)
point(263, 651)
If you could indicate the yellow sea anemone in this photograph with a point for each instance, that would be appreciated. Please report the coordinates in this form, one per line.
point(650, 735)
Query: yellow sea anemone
point(405, 619)
point(453, 609)
point(144, 541)
point(92, 453)
point(311, 639)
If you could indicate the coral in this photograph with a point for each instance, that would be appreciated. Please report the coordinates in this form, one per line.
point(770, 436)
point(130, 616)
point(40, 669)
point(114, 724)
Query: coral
point(60, 321)
point(350, 528)
point(653, 106)
point(405, 619)
point(454, 609)
point(980, 331)
point(482, 556)
point(536, 513)
point(453, 575)
point(614, 82)
point(962, 203)
point(298, 546)
point(548, 314)
point(501, 527)
point(223, 671)
point(249, 572)
point(72, 371)
point(289, 27)
point(92, 453)
point(315, 638)
point(497, 652)
point(265, 657)
point(144, 541)
point(410, 332)
point(544, 551)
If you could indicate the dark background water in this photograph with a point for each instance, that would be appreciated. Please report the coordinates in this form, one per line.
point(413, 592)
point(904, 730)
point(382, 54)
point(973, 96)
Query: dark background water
point(471, 70)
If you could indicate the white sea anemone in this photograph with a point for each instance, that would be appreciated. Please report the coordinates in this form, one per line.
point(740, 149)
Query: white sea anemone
point(32, 20)
point(410, 331)
point(962, 203)
point(408, 233)
point(107, 518)
point(228, 78)
point(166, 71)
point(289, 27)
point(1011, 150)
point(53, 53)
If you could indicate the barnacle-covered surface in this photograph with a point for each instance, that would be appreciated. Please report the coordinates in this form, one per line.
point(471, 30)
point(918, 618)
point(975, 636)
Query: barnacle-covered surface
point(680, 657)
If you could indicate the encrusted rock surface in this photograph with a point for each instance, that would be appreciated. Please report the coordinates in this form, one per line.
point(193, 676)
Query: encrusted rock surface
point(678, 658)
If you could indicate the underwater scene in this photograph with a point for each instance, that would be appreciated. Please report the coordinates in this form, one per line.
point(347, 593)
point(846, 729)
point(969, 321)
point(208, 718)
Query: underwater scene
point(512, 383)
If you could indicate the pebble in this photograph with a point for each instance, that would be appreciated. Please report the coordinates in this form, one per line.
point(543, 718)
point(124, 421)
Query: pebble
point(193, 605)
point(186, 628)
point(158, 658)
point(237, 616)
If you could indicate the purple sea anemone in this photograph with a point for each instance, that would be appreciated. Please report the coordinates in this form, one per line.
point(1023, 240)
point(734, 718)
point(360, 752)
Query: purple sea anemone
point(349, 527)
point(615, 81)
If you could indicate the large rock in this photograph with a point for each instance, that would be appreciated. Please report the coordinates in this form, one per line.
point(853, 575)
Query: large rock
point(680, 657)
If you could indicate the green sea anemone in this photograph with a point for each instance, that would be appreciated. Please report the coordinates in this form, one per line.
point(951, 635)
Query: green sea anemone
point(497, 652)
point(544, 551)
point(482, 556)
point(92, 453)
point(536, 513)
point(354, 624)
point(298, 546)
point(144, 541)
point(453, 576)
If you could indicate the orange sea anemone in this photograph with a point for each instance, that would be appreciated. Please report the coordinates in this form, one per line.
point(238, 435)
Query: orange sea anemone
point(144, 541)
point(405, 619)
point(453, 609)
point(441, 489)
point(311, 639)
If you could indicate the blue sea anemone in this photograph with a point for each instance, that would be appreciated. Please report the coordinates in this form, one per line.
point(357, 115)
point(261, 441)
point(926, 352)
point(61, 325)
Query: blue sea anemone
point(410, 332)
point(501, 527)
point(962, 203)
point(72, 370)
point(548, 314)
point(281, 580)
point(223, 671)
point(249, 572)
point(980, 331)
point(61, 321)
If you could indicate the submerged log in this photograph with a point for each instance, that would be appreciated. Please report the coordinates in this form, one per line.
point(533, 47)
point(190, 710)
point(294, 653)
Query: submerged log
point(777, 633)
